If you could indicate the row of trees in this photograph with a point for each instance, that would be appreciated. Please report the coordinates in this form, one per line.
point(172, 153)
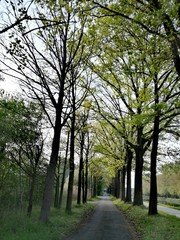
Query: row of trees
point(24, 156)
point(21, 152)
point(139, 90)
point(119, 59)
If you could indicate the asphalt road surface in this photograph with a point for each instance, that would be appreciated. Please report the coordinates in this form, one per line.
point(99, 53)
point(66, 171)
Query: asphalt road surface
point(170, 211)
point(106, 223)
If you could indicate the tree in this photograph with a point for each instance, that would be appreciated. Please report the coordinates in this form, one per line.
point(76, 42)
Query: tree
point(64, 170)
point(16, 12)
point(154, 17)
point(110, 147)
point(48, 76)
point(125, 67)
point(84, 146)
point(24, 145)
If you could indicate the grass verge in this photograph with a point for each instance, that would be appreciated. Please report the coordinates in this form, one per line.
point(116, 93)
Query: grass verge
point(159, 227)
point(170, 206)
point(17, 226)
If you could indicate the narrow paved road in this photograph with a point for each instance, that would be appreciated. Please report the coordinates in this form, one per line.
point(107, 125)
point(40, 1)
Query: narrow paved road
point(106, 223)
point(170, 211)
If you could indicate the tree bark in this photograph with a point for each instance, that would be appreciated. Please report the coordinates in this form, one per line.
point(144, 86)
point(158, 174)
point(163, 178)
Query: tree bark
point(86, 177)
point(71, 159)
point(153, 179)
point(57, 184)
point(81, 172)
point(31, 193)
point(83, 185)
point(123, 175)
point(64, 173)
point(71, 170)
point(128, 170)
point(138, 198)
point(94, 186)
point(51, 170)
point(117, 184)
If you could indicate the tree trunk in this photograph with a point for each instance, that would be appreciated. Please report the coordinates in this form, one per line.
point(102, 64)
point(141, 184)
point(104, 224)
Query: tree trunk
point(153, 180)
point(71, 175)
point(117, 184)
point(113, 192)
point(91, 185)
point(86, 179)
point(71, 159)
point(57, 184)
point(80, 175)
point(122, 188)
point(49, 185)
point(64, 173)
point(94, 186)
point(83, 185)
point(51, 170)
point(138, 197)
point(31, 193)
point(128, 169)
point(56, 196)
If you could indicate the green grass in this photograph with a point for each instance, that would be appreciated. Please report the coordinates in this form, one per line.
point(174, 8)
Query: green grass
point(159, 227)
point(17, 226)
point(169, 206)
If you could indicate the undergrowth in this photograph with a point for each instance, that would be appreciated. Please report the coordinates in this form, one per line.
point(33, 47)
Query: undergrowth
point(16, 225)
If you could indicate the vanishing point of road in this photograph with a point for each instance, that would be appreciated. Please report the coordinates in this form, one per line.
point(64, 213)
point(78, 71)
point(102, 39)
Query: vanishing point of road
point(106, 223)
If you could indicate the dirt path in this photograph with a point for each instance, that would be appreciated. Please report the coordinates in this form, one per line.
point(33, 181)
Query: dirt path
point(106, 223)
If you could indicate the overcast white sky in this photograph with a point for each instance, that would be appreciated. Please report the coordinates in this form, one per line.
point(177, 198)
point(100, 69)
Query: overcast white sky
point(9, 85)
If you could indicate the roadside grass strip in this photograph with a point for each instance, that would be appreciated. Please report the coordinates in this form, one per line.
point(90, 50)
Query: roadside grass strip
point(160, 227)
point(17, 226)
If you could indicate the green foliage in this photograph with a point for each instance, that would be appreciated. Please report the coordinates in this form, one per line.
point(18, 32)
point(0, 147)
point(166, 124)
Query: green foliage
point(18, 120)
point(168, 184)
point(171, 168)
point(20, 144)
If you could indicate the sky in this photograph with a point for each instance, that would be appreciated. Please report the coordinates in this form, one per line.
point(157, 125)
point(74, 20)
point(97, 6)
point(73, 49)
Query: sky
point(9, 87)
